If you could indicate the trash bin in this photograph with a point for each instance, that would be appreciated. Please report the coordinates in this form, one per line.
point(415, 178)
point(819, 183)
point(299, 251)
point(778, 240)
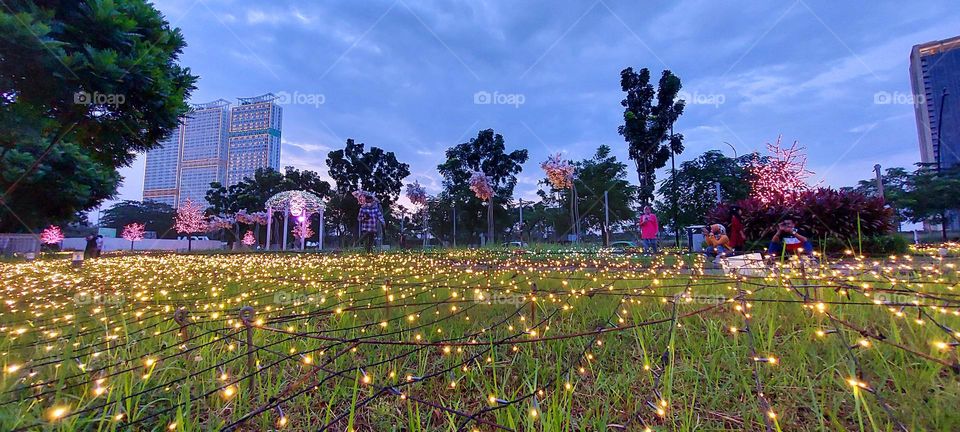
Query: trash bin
point(695, 237)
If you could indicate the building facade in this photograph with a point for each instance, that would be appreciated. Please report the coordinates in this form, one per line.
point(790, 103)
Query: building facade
point(161, 173)
point(203, 153)
point(216, 142)
point(935, 78)
point(254, 140)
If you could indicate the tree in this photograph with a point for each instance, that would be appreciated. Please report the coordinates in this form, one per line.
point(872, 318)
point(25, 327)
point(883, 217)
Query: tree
point(67, 181)
point(77, 104)
point(486, 154)
point(594, 176)
point(51, 235)
point(693, 187)
point(190, 220)
point(251, 194)
point(648, 126)
point(931, 194)
point(155, 216)
point(895, 184)
point(782, 176)
point(353, 169)
point(249, 239)
point(133, 233)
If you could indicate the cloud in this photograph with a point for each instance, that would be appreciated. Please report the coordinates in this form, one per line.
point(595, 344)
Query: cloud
point(308, 147)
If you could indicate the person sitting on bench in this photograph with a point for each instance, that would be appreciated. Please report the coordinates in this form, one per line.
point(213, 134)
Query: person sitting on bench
point(788, 241)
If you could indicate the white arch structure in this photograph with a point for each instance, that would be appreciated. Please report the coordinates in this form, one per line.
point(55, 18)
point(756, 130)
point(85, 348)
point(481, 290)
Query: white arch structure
point(296, 204)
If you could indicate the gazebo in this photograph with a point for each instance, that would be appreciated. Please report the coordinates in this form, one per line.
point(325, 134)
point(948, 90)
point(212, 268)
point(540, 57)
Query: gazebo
point(298, 204)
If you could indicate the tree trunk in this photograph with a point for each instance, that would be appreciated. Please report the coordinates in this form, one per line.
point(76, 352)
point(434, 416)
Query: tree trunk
point(943, 226)
point(490, 221)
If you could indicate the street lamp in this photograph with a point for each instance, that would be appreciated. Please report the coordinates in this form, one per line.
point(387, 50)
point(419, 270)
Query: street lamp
point(453, 206)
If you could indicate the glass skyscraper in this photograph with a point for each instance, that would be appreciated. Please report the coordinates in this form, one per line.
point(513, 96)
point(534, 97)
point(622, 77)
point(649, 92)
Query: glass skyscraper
point(254, 140)
point(214, 143)
point(203, 153)
point(161, 171)
point(935, 77)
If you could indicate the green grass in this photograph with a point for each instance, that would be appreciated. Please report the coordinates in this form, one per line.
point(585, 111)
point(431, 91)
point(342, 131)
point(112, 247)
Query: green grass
point(607, 342)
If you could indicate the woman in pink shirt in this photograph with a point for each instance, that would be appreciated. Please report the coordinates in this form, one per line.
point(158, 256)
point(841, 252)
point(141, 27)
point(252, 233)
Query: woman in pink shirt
point(649, 228)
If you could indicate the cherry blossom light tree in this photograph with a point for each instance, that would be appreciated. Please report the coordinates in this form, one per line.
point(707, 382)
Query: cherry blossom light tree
point(133, 233)
point(51, 235)
point(248, 239)
point(480, 185)
point(190, 220)
point(782, 176)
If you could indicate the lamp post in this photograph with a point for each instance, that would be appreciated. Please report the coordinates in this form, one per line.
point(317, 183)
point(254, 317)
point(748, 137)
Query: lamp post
point(521, 203)
point(876, 169)
point(453, 206)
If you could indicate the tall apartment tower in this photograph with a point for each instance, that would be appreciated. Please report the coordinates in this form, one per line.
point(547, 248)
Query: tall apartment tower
point(203, 151)
point(935, 78)
point(162, 170)
point(216, 142)
point(254, 137)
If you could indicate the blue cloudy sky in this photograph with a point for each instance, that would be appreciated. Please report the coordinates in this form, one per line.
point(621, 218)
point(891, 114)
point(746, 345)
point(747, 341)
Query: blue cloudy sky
point(404, 75)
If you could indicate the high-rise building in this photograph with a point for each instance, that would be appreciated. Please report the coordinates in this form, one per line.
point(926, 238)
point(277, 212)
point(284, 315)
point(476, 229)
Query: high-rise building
point(214, 143)
point(254, 140)
point(161, 172)
point(935, 78)
point(203, 153)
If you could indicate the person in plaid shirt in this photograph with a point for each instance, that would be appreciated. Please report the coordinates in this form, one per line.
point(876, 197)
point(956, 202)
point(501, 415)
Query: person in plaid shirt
point(368, 217)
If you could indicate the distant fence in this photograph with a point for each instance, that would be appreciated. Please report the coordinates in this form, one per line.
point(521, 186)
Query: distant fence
point(19, 244)
point(114, 244)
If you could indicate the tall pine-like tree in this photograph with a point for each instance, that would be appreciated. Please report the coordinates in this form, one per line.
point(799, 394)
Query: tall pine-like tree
point(648, 118)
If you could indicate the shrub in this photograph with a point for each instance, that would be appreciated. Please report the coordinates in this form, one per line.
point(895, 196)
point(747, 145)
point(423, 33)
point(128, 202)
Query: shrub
point(873, 245)
point(821, 214)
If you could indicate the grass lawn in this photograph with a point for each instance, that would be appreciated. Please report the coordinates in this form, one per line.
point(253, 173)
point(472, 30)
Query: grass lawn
point(476, 340)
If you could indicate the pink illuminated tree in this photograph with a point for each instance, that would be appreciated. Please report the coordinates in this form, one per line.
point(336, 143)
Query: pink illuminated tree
point(190, 220)
point(782, 175)
point(248, 239)
point(133, 233)
point(51, 235)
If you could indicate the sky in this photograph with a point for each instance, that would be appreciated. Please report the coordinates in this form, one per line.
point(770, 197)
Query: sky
point(417, 77)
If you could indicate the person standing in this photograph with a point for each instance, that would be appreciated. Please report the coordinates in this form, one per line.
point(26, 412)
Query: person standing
point(99, 243)
point(90, 249)
point(738, 238)
point(649, 228)
point(369, 216)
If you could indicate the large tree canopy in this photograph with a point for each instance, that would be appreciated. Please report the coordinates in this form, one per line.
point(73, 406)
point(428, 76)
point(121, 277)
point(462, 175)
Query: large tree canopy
point(648, 118)
point(485, 153)
point(693, 188)
point(252, 193)
point(352, 169)
point(374, 171)
point(157, 217)
point(83, 87)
